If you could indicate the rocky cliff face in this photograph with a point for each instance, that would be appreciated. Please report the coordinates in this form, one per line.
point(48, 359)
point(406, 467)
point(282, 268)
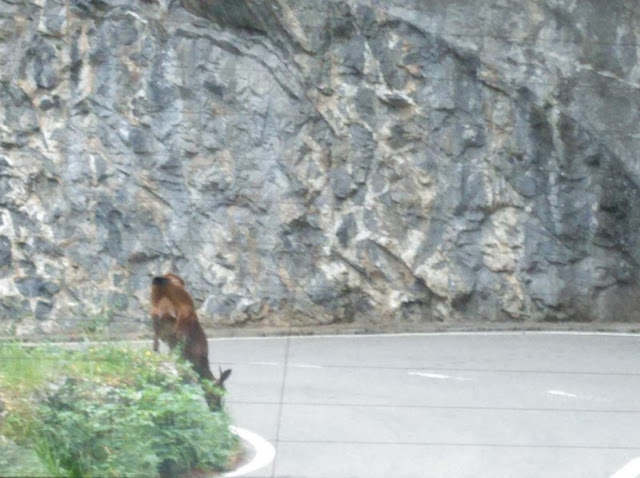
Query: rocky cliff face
point(307, 162)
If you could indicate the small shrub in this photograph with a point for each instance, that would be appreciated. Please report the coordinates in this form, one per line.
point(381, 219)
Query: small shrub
point(111, 411)
point(19, 461)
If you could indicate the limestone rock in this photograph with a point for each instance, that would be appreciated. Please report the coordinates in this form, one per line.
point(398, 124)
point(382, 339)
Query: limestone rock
point(304, 162)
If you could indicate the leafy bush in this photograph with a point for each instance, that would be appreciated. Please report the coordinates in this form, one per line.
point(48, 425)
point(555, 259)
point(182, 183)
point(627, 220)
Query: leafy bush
point(19, 461)
point(110, 411)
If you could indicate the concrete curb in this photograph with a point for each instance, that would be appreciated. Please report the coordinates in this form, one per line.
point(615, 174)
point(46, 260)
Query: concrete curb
point(264, 452)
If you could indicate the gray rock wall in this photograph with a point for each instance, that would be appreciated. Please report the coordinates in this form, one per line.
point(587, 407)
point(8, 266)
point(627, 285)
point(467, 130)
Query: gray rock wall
point(303, 162)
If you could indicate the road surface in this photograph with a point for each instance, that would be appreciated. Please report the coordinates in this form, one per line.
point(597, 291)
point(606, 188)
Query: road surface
point(488, 405)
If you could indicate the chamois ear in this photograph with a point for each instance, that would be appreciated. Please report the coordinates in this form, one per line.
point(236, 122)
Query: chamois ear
point(223, 376)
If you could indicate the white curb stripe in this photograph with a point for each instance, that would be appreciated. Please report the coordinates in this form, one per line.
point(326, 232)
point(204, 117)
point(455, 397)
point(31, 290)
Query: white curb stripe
point(265, 452)
point(630, 470)
point(496, 333)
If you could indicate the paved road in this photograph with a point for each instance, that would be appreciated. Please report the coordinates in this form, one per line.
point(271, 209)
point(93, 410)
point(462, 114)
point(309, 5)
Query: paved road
point(516, 405)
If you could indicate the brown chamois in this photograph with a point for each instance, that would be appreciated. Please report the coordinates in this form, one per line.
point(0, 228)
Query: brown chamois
point(175, 322)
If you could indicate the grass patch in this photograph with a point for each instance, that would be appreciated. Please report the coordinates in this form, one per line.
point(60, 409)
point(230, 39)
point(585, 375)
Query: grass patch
point(105, 411)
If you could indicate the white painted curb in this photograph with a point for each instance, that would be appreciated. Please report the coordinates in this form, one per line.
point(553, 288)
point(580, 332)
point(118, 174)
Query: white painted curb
point(630, 470)
point(264, 452)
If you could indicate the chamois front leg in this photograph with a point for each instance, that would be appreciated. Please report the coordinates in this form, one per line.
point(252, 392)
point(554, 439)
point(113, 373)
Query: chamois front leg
point(156, 343)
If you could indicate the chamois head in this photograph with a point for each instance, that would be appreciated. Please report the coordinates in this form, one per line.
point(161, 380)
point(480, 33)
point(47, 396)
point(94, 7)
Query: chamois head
point(214, 397)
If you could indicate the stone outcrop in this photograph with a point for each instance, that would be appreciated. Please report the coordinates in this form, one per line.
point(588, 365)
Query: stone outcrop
point(305, 163)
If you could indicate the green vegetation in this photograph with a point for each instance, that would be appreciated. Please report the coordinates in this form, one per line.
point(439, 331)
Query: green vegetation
point(105, 411)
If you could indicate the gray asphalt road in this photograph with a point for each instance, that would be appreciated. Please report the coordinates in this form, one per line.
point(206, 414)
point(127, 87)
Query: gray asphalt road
point(514, 405)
